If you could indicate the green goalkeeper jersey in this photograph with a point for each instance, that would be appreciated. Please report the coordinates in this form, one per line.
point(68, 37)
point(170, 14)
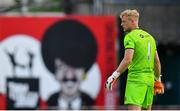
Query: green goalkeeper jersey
point(141, 68)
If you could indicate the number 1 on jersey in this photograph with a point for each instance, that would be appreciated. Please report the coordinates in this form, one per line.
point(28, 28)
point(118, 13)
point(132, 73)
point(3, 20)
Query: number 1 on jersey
point(149, 50)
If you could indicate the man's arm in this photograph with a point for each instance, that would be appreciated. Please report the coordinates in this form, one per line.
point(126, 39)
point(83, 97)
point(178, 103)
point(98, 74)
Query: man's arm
point(126, 60)
point(158, 86)
point(157, 66)
point(122, 67)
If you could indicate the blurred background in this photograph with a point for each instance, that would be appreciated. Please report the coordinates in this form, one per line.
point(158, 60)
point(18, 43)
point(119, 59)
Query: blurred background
point(34, 76)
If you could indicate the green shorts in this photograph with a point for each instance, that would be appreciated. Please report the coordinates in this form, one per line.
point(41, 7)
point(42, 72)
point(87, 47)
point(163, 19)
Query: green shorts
point(139, 94)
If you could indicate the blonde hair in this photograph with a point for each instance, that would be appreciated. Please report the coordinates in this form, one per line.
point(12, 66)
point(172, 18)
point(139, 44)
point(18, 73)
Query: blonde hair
point(134, 14)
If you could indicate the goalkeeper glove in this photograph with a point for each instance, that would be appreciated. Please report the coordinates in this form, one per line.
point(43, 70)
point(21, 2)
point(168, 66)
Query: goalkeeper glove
point(110, 81)
point(158, 86)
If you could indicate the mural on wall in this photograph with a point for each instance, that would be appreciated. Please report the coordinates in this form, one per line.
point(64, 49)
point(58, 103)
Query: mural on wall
point(55, 63)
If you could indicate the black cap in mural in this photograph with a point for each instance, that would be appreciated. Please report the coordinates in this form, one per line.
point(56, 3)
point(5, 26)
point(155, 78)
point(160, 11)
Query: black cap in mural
point(72, 42)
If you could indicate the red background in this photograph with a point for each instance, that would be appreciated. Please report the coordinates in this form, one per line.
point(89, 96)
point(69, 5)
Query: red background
point(103, 27)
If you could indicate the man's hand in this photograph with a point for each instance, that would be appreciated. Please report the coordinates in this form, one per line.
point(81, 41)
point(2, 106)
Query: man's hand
point(110, 81)
point(158, 87)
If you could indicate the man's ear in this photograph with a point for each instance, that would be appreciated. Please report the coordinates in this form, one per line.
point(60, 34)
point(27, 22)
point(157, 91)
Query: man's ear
point(58, 63)
point(133, 21)
point(81, 74)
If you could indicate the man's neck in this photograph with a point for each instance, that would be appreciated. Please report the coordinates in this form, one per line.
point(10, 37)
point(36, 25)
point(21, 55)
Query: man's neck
point(70, 97)
point(133, 28)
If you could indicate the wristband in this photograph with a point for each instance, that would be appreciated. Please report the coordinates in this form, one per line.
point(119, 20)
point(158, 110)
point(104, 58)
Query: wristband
point(116, 74)
point(158, 78)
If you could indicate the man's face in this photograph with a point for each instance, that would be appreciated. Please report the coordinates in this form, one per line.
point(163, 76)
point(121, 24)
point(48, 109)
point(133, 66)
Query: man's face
point(126, 23)
point(69, 78)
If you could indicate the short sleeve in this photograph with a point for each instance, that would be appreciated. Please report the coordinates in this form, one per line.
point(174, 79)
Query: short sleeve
point(129, 43)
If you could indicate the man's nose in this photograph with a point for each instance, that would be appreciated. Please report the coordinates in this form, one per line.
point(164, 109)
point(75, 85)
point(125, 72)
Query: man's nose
point(70, 73)
point(121, 24)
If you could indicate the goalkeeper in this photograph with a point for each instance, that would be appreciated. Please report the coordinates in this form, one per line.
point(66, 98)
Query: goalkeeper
point(141, 59)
